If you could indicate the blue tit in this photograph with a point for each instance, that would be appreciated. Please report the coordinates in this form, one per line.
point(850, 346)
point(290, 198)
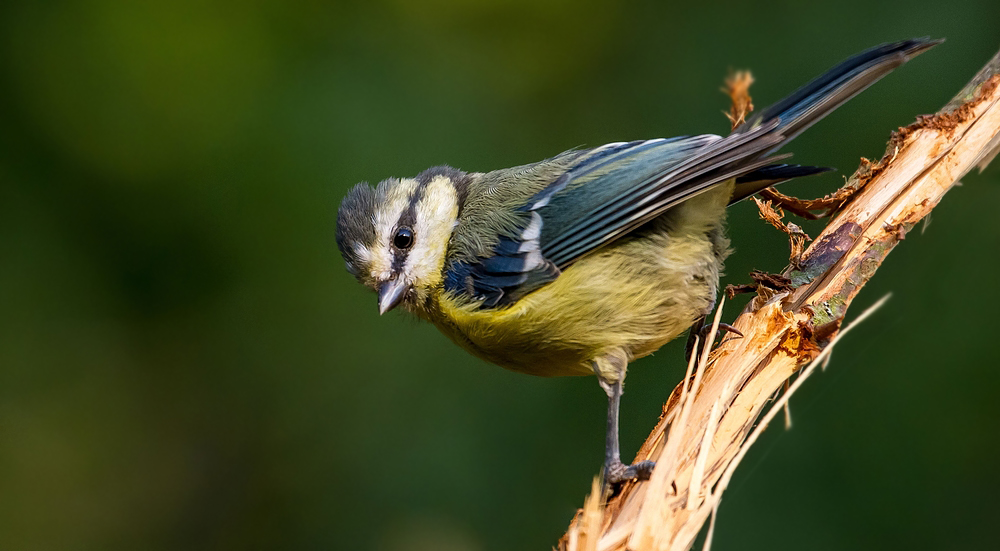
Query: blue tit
point(581, 263)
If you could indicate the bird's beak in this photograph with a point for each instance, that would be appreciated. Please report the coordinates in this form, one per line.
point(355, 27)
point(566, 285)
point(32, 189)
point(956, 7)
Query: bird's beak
point(391, 293)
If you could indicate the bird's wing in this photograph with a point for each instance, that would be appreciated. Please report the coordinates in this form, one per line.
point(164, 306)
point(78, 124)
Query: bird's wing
point(608, 198)
point(600, 196)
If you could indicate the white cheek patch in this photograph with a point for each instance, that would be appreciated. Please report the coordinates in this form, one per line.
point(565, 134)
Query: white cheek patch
point(363, 259)
point(396, 201)
point(436, 216)
point(363, 253)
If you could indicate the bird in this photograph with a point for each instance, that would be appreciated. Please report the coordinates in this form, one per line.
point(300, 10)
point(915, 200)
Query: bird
point(583, 262)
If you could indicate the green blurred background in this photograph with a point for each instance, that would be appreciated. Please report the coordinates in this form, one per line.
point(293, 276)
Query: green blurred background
point(185, 364)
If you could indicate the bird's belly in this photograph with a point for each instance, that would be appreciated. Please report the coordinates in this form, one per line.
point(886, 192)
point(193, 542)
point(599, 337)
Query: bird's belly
point(631, 297)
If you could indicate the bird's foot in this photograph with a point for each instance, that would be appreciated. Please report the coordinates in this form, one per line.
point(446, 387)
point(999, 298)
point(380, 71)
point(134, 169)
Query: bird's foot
point(618, 472)
point(701, 330)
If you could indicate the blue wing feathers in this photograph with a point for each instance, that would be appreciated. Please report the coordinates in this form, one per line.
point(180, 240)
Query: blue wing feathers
point(657, 193)
point(592, 202)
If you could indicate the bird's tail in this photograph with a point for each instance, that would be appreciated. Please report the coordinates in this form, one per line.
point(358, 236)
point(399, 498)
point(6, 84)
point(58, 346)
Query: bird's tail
point(830, 90)
point(817, 99)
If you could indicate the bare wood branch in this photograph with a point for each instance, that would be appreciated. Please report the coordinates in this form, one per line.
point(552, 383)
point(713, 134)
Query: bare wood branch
point(708, 421)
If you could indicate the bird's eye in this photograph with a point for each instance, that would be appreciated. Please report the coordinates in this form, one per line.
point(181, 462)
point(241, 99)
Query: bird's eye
point(403, 238)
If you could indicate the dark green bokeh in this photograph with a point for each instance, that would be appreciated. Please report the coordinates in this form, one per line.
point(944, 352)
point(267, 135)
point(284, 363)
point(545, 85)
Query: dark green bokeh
point(184, 363)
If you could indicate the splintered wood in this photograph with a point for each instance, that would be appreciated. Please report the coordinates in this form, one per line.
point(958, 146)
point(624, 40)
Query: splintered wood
point(708, 421)
point(738, 89)
point(796, 237)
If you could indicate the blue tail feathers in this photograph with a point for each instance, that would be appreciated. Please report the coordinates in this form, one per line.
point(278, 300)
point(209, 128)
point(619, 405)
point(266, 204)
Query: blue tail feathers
point(815, 100)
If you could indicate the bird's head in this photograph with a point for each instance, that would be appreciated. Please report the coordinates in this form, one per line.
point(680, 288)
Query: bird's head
point(394, 237)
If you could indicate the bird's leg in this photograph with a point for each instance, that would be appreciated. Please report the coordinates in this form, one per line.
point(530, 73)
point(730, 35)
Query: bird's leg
point(614, 470)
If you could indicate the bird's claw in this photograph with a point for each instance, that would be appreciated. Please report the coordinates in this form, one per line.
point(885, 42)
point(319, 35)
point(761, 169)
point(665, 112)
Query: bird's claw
point(723, 328)
point(618, 472)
